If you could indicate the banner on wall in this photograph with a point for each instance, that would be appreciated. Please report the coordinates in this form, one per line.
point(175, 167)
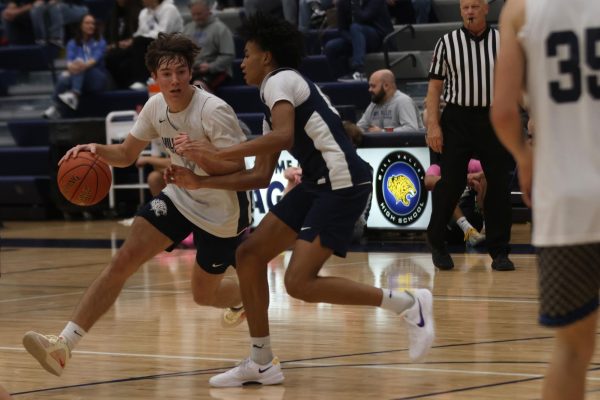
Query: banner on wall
point(400, 200)
point(264, 199)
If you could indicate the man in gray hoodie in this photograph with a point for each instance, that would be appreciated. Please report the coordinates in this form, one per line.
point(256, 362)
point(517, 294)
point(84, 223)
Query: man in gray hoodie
point(390, 109)
point(217, 50)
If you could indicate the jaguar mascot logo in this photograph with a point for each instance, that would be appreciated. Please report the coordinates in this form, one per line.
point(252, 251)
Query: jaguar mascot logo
point(159, 207)
point(400, 189)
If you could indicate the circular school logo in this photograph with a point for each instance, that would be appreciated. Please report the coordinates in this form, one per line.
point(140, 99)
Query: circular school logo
point(400, 189)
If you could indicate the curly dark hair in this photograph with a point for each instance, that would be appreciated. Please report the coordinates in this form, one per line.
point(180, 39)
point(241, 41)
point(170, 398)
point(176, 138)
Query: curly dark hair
point(170, 47)
point(276, 35)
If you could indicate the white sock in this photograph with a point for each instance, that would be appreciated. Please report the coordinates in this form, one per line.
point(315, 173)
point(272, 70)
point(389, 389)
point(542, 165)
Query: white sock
point(463, 224)
point(260, 350)
point(72, 333)
point(395, 301)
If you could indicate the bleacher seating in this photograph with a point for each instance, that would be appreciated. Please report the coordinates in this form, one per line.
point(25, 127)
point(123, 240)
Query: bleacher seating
point(418, 37)
point(25, 182)
point(28, 58)
point(30, 132)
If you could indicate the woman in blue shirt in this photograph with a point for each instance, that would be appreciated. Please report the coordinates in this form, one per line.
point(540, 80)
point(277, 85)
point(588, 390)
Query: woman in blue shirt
point(85, 67)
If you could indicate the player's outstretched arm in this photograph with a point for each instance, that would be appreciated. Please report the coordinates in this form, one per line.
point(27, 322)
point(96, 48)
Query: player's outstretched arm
point(257, 177)
point(202, 153)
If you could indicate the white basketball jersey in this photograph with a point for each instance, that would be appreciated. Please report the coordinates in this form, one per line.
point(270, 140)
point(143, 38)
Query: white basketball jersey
point(562, 43)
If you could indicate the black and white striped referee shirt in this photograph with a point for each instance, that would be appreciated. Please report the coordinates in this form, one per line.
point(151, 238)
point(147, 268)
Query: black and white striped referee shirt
point(466, 64)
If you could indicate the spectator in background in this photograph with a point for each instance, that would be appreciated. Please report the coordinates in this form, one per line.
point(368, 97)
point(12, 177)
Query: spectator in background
point(422, 10)
point(467, 220)
point(362, 25)
point(311, 13)
point(50, 17)
point(122, 24)
point(417, 13)
point(212, 66)
point(16, 20)
point(390, 109)
point(158, 16)
point(85, 67)
point(289, 8)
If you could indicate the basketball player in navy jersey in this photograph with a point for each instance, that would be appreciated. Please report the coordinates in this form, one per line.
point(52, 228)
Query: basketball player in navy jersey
point(316, 217)
point(552, 50)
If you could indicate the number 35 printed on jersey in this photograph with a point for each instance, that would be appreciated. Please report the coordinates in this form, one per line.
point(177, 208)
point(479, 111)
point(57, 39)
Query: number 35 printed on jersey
point(572, 64)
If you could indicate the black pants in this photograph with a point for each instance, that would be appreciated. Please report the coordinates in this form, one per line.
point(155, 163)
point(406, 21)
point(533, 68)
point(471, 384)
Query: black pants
point(127, 66)
point(468, 133)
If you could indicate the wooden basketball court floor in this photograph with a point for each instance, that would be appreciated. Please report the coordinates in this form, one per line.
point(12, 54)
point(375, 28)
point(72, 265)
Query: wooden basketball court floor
point(155, 343)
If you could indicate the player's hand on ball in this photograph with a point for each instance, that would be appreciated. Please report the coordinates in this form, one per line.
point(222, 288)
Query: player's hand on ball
point(74, 151)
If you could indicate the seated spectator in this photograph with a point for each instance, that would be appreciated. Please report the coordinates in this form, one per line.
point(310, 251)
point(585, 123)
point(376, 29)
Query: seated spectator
point(50, 17)
point(362, 25)
point(410, 12)
point(122, 24)
point(467, 220)
point(289, 8)
point(311, 13)
point(16, 20)
point(212, 66)
point(85, 68)
point(390, 109)
point(158, 16)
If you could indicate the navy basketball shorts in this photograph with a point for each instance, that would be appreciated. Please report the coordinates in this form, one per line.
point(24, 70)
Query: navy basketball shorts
point(330, 214)
point(214, 254)
point(569, 280)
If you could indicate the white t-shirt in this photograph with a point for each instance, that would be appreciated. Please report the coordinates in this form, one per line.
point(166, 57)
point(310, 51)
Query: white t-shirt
point(207, 116)
point(565, 105)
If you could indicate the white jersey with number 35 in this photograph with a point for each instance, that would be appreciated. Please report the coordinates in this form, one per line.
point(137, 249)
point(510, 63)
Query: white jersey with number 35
point(562, 43)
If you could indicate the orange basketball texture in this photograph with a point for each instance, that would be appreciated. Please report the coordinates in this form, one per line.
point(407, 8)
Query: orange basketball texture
point(84, 180)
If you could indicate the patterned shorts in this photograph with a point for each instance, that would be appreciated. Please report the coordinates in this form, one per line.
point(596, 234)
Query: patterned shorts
point(569, 280)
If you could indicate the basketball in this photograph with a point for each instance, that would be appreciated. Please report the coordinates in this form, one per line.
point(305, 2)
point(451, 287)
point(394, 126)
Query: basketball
point(84, 180)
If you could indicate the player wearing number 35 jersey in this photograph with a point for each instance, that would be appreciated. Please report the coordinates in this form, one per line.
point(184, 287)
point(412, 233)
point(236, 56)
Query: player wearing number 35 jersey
point(551, 50)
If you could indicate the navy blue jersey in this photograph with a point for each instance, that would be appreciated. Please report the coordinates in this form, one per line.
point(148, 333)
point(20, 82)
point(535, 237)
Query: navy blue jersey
point(321, 145)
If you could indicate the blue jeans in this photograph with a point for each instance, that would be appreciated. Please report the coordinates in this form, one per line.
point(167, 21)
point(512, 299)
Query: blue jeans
point(288, 7)
point(353, 44)
point(305, 11)
point(57, 15)
point(93, 80)
point(422, 9)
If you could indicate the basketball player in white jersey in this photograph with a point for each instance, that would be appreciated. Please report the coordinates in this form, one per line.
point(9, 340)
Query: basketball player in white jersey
point(217, 218)
point(551, 50)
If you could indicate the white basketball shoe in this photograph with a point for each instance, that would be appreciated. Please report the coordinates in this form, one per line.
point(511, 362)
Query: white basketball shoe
point(248, 372)
point(420, 324)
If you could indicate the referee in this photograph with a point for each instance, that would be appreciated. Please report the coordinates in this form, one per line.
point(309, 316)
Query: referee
point(462, 70)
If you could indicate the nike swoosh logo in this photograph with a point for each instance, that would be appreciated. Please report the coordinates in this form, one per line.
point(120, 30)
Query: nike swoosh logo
point(77, 333)
point(160, 121)
point(257, 346)
point(217, 265)
point(422, 322)
point(304, 228)
point(260, 371)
